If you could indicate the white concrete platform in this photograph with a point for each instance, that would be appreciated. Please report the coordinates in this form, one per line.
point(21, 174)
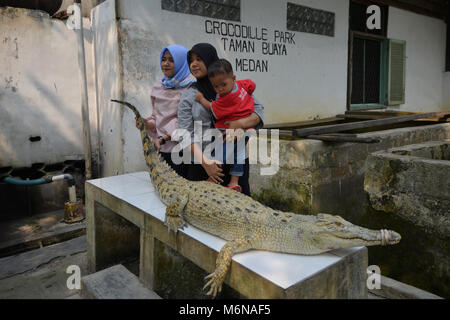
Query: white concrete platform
point(283, 270)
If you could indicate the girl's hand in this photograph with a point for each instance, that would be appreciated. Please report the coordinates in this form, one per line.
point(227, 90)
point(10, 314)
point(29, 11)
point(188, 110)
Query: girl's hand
point(157, 143)
point(148, 123)
point(213, 169)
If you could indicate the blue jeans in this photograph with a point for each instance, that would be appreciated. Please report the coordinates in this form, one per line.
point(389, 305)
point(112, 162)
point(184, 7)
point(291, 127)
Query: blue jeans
point(233, 153)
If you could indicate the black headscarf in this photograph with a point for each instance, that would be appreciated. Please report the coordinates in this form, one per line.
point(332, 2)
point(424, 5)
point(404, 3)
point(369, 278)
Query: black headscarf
point(209, 55)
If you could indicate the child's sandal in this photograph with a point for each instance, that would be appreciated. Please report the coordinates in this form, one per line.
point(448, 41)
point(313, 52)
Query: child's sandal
point(235, 187)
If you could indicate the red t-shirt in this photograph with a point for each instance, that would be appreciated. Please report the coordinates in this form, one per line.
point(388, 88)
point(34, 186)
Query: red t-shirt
point(234, 105)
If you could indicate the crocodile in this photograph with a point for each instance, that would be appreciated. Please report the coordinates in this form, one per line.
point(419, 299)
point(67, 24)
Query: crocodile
point(244, 222)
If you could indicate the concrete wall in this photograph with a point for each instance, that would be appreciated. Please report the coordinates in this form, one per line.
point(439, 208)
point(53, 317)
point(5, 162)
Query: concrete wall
point(40, 93)
point(412, 182)
point(425, 59)
point(108, 85)
point(408, 188)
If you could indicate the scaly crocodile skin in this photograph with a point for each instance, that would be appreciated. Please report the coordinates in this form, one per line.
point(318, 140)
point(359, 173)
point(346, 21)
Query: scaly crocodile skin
point(245, 223)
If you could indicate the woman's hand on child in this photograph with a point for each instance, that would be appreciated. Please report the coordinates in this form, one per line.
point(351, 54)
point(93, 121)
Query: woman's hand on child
point(213, 169)
point(235, 124)
point(233, 134)
point(245, 123)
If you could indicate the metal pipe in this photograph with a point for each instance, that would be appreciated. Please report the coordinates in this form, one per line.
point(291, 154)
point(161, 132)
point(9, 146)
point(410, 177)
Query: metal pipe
point(21, 182)
point(71, 183)
point(84, 95)
point(67, 176)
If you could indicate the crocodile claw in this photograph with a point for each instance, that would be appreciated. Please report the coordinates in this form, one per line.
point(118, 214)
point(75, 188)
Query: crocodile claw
point(174, 223)
point(215, 282)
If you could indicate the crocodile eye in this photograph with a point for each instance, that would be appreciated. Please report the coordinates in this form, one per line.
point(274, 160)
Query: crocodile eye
point(338, 224)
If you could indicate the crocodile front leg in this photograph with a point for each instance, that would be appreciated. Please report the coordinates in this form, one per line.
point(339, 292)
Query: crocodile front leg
point(223, 263)
point(174, 210)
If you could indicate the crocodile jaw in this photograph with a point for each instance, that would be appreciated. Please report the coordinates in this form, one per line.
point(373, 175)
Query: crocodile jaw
point(369, 238)
point(329, 232)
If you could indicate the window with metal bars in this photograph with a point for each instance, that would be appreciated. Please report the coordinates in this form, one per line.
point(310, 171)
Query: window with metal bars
point(310, 20)
point(217, 9)
point(366, 71)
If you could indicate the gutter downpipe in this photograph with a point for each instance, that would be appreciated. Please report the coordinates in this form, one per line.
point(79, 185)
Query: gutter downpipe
point(84, 93)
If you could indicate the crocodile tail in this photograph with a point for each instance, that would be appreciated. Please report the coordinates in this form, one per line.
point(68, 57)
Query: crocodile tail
point(149, 146)
point(161, 174)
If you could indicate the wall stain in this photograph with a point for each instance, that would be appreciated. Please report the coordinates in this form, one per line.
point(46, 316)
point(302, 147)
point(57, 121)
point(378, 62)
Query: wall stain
point(9, 84)
point(16, 52)
point(13, 46)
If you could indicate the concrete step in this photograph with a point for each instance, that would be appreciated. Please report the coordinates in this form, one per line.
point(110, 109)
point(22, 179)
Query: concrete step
point(392, 289)
point(114, 283)
point(34, 259)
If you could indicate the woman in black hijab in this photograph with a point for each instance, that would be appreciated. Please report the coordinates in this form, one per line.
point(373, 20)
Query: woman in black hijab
point(208, 54)
point(190, 111)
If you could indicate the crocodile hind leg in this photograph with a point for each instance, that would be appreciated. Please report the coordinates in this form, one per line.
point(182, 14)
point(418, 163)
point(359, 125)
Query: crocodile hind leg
point(223, 263)
point(174, 210)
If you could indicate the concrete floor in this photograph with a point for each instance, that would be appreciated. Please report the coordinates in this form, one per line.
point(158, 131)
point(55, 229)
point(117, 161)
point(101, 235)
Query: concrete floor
point(41, 273)
point(35, 252)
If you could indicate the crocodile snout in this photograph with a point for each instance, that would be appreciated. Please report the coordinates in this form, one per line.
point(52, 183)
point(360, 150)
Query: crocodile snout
point(389, 237)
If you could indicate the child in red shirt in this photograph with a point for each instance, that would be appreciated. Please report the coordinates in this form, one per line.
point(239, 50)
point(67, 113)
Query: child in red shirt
point(233, 102)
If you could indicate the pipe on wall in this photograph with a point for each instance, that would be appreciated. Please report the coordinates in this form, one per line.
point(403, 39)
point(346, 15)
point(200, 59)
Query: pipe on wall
point(84, 94)
point(72, 210)
point(34, 182)
point(48, 179)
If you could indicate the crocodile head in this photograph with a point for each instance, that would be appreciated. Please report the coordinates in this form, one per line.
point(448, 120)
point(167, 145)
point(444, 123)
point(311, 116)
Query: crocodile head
point(330, 232)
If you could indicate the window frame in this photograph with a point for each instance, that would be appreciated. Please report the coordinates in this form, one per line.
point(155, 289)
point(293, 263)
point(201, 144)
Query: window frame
point(383, 72)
